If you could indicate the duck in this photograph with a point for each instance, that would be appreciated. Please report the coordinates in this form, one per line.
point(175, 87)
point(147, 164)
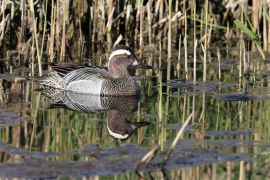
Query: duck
point(114, 80)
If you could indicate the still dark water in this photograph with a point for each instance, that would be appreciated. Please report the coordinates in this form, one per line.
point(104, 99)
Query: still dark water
point(229, 136)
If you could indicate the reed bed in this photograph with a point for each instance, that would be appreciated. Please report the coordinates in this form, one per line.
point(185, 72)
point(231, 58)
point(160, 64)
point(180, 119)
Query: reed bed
point(36, 32)
point(67, 30)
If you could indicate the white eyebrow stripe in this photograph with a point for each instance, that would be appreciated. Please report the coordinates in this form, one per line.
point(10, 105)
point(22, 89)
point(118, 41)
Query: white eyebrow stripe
point(119, 52)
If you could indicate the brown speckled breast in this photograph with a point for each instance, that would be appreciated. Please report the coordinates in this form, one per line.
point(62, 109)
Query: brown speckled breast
point(120, 87)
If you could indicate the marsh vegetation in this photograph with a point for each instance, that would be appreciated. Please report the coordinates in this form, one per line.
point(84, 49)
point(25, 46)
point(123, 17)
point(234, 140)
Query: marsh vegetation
point(210, 68)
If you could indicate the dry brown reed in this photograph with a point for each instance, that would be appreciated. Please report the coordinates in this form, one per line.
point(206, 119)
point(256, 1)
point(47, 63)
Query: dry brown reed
point(58, 27)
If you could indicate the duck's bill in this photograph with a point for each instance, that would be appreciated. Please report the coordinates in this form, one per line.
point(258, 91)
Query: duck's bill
point(141, 64)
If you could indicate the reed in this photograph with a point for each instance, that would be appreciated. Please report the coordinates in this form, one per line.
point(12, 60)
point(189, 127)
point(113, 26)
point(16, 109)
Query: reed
point(160, 102)
point(169, 42)
point(149, 18)
point(65, 7)
point(186, 46)
point(44, 26)
point(141, 11)
point(162, 24)
point(51, 39)
point(179, 57)
point(205, 40)
point(178, 136)
point(35, 36)
point(104, 17)
point(195, 61)
point(219, 63)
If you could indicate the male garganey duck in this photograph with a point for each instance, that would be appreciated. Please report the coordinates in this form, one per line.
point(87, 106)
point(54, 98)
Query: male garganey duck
point(115, 81)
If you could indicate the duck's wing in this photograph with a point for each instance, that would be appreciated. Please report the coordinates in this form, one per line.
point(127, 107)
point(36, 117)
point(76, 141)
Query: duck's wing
point(64, 69)
point(87, 73)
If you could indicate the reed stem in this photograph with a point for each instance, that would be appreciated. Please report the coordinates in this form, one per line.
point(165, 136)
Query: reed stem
point(34, 25)
point(169, 41)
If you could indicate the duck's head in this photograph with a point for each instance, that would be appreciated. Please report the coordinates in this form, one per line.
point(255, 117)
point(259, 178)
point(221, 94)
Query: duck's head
point(121, 58)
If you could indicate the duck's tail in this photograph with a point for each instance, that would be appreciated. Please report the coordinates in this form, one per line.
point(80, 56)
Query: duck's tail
point(52, 79)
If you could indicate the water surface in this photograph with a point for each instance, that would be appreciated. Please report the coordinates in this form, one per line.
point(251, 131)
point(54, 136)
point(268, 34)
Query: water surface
point(47, 137)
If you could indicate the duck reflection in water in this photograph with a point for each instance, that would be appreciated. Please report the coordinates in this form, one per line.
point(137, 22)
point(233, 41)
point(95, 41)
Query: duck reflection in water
point(118, 107)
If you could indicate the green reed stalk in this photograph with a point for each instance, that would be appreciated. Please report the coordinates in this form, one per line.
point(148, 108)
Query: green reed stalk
point(3, 22)
point(244, 58)
point(201, 24)
point(205, 40)
point(240, 59)
point(267, 15)
point(169, 41)
point(93, 21)
point(52, 32)
point(57, 26)
point(210, 31)
point(44, 27)
point(204, 62)
point(23, 16)
point(64, 18)
point(34, 24)
point(185, 46)
point(193, 105)
point(242, 163)
point(179, 57)
point(160, 102)
point(47, 138)
point(184, 112)
point(266, 26)
point(34, 114)
point(218, 115)
point(161, 7)
point(202, 116)
point(111, 9)
point(141, 26)
point(255, 14)
point(194, 21)
point(195, 60)
point(265, 45)
point(80, 42)
point(149, 18)
point(128, 11)
point(33, 59)
point(219, 59)
point(178, 137)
